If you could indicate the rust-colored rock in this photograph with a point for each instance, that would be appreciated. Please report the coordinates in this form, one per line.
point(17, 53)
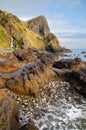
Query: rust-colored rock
point(9, 63)
point(25, 70)
point(8, 113)
point(25, 55)
point(28, 78)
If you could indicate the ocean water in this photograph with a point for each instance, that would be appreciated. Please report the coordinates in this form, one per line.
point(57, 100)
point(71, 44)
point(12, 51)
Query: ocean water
point(66, 110)
point(75, 53)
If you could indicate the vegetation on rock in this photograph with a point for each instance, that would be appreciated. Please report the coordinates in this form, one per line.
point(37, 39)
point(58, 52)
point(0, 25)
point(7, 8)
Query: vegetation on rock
point(30, 34)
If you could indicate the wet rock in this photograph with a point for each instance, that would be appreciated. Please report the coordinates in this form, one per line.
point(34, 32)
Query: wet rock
point(47, 57)
point(55, 103)
point(73, 64)
point(83, 52)
point(72, 71)
point(77, 79)
point(8, 113)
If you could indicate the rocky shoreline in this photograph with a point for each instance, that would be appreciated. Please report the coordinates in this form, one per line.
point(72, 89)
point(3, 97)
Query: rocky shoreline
point(24, 76)
point(38, 90)
point(32, 110)
point(41, 112)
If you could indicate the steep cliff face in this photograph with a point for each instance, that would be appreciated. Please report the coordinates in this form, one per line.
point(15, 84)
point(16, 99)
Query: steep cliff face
point(40, 26)
point(24, 34)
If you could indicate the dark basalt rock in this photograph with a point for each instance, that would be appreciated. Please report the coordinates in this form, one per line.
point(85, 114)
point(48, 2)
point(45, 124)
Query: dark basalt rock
point(47, 57)
point(77, 80)
point(51, 49)
point(83, 52)
point(74, 72)
point(76, 63)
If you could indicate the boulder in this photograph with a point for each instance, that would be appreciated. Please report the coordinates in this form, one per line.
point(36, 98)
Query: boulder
point(77, 80)
point(25, 70)
point(8, 64)
point(25, 55)
point(52, 43)
point(28, 78)
point(47, 57)
point(73, 64)
point(8, 113)
point(72, 71)
point(83, 52)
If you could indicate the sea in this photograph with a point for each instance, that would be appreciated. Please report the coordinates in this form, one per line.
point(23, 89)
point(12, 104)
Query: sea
point(67, 114)
point(75, 53)
point(75, 112)
point(67, 109)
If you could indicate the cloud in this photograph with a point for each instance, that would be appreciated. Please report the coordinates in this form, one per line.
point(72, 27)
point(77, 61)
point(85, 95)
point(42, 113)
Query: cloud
point(73, 43)
point(60, 15)
point(25, 18)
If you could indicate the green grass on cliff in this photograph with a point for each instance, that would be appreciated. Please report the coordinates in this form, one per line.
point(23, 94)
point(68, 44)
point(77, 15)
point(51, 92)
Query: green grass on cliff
point(4, 39)
point(11, 26)
point(19, 30)
point(34, 40)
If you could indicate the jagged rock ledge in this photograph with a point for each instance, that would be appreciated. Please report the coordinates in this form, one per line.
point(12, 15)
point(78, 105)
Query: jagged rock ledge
point(74, 72)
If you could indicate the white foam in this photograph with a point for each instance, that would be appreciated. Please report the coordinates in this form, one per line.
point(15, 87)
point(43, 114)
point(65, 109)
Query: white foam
point(74, 113)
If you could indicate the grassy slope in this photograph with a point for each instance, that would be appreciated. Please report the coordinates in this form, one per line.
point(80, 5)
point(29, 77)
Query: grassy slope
point(19, 31)
point(4, 39)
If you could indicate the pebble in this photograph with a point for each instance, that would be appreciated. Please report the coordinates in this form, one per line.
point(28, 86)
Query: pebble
point(37, 110)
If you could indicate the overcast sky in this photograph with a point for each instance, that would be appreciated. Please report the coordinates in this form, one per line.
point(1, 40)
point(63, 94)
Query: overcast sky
point(66, 18)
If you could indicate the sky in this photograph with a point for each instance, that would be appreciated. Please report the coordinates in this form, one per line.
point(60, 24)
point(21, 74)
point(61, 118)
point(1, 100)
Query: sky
point(66, 18)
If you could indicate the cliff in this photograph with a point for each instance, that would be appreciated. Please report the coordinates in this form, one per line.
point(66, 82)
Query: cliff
point(40, 26)
point(31, 34)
